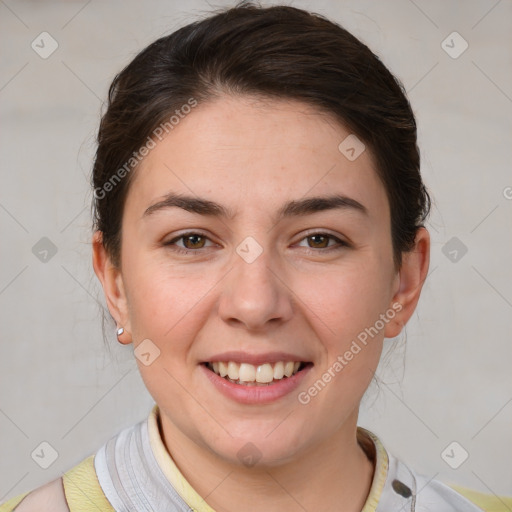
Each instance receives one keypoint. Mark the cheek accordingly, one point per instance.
(345, 300)
(161, 303)
(169, 303)
(168, 309)
(344, 307)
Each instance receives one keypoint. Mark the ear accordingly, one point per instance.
(112, 282)
(410, 279)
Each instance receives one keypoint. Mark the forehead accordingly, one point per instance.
(246, 152)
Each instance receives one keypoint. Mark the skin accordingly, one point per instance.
(252, 156)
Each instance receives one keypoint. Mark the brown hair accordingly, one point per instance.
(276, 52)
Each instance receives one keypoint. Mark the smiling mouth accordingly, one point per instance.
(262, 375)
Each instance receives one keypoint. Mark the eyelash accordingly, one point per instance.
(309, 250)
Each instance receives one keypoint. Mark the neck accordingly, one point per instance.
(333, 472)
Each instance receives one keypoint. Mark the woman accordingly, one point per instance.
(258, 233)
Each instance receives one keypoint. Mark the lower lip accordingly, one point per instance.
(256, 394)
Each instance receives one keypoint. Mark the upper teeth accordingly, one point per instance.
(263, 373)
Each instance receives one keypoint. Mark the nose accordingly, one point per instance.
(256, 294)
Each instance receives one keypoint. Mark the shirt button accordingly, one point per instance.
(401, 488)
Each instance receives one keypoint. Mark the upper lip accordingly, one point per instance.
(255, 359)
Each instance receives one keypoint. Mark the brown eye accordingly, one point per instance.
(193, 241)
(188, 243)
(319, 241)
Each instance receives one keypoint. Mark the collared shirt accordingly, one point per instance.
(133, 471)
(394, 485)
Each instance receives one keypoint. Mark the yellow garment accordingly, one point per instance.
(82, 489)
(84, 494)
(8, 506)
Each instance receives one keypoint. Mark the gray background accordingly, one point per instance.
(450, 380)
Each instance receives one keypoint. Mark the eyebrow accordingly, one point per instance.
(293, 208)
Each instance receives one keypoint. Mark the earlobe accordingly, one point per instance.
(412, 275)
(112, 282)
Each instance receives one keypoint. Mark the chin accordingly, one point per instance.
(259, 447)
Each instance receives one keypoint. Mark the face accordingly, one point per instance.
(260, 280)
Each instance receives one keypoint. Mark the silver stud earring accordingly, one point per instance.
(120, 331)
